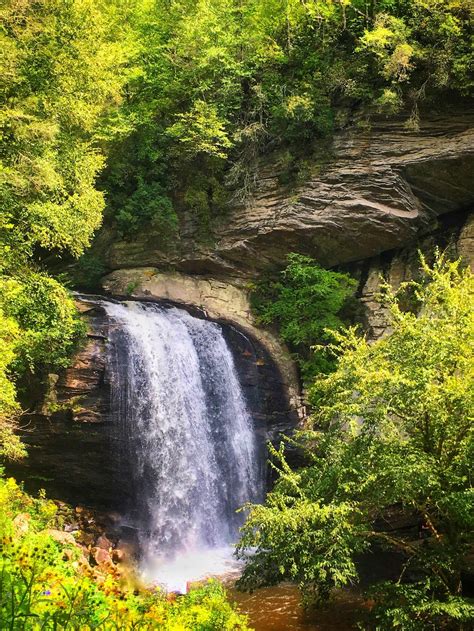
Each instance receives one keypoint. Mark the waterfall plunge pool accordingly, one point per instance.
(177, 573)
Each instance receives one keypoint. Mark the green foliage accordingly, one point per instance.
(39, 328)
(131, 286)
(148, 204)
(46, 319)
(391, 433)
(62, 71)
(200, 131)
(412, 607)
(62, 68)
(46, 582)
(305, 302)
(10, 446)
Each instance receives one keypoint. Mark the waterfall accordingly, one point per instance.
(190, 438)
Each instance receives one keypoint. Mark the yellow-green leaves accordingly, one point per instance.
(63, 68)
(388, 40)
(38, 328)
(391, 438)
(201, 131)
(304, 300)
(47, 581)
(10, 446)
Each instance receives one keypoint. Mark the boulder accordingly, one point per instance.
(104, 543)
(101, 556)
(21, 524)
(64, 538)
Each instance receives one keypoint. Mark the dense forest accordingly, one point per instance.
(128, 113)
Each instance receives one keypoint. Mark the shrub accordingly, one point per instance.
(46, 317)
(391, 433)
(46, 584)
(304, 301)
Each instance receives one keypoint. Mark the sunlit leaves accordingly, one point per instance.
(201, 131)
(38, 328)
(391, 430)
(46, 581)
(63, 68)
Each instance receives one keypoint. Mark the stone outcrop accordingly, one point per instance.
(226, 302)
(367, 204)
(401, 265)
(372, 191)
(82, 389)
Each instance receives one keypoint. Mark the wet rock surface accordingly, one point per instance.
(74, 446)
(82, 390)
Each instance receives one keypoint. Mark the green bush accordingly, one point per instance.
(305, 302)
(47, 320)
(391, 434)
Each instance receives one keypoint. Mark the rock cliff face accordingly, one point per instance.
(402, 264)
(77, 431)
(372, 191)
(83, 388)
(378, 196)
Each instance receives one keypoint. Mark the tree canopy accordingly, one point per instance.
(63, 68)
(391, 438)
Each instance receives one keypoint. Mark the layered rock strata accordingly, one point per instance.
(370, 191)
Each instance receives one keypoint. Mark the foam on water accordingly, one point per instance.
(176, 575)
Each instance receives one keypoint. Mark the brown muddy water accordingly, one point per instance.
(279, 609)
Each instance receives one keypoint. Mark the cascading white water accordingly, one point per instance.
(196, 457)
